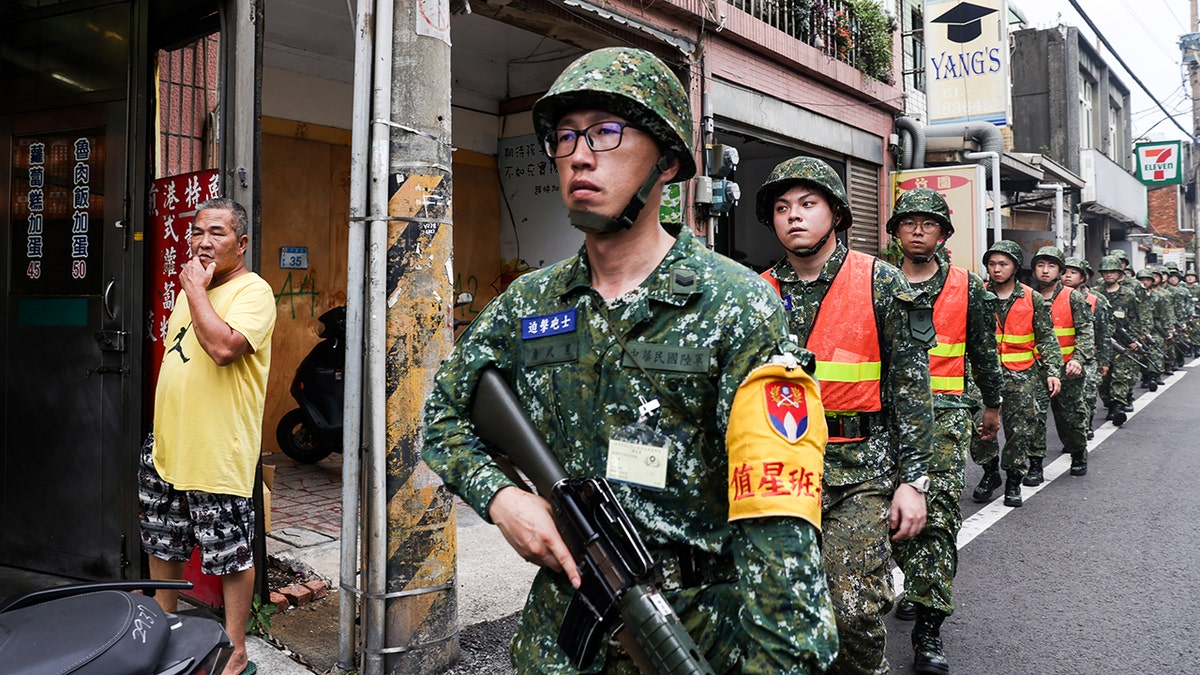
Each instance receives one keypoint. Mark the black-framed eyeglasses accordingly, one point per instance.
(909, 225)
(601, 137)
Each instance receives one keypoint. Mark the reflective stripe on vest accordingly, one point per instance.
(947, 361)
(1064, 324)
(845, 340)
(1015, 338)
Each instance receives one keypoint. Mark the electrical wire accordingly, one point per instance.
(1117, 55)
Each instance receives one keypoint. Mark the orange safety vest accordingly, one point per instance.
(1064, 323)
(1091, 299)
(1015, 338)
(845, 340)
(947, 361)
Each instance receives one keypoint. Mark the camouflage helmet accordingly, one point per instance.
(1119, 254)
(1050, 253)
(1172, 265)
(1110, 263)
(1079, 264)
(1009, 248)
(1145, 273)
(1191, 272)
(1175, 272)
(797, 170)
(922, 200)
(631, 83)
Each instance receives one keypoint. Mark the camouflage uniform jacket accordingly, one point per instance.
(700, 323)
(982, 355)
(1164, 311)
(1182, 302)
(1128, 318)
(1043, 328)
(1081, 316)
(906, 446)
(1102, 319)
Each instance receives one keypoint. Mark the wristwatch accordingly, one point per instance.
(921, 484)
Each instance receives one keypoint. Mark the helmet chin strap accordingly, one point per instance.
(595, 223)
(812, 250)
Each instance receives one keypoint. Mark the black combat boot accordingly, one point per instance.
(1033, 477)
(1117, 414)
(989, 482)
(1012, 489)
(927, 642)
(1079, 463)
(906, 610)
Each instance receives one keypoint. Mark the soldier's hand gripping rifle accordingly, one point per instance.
(618, 592)
(1126, 352)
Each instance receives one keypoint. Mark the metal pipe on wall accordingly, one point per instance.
(1058, 208)
(375, 511)
(355, 284)
(997, 230)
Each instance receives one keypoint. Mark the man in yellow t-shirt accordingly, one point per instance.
(197, 469)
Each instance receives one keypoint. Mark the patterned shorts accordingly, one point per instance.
(174, 522)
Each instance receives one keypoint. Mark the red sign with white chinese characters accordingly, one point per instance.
(173, 203)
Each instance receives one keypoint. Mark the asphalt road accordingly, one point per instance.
(1093, 575)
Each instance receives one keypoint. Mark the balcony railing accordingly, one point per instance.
(855, 32)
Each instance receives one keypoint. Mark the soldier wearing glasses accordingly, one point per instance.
(965, 320)
(580, 343)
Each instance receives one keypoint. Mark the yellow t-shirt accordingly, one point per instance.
(208, 418)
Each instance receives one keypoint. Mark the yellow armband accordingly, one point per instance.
(776, 446)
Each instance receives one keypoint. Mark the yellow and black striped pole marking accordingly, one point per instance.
(422, 605)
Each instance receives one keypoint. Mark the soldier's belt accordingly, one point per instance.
(856, 425)
(688, 567)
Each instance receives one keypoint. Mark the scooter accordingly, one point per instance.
(106, 629)
(314, 430)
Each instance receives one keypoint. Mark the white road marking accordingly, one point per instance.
(990, 514)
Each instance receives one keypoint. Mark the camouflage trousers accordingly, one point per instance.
(930, 559)
(857, 552)
(1024, 393)
(1070, 418)
(1091, 387)
(1117, 386)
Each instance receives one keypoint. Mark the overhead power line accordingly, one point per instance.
(1095, 29)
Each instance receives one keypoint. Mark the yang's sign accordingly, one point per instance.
(1159, 164)
(966, 61)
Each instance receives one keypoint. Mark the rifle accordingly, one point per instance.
(1125, 351)
(618, 592)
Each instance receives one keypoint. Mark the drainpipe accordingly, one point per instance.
(1058, 207)
(355, 283)
(375, 506)
(995, 172)
(913, 156)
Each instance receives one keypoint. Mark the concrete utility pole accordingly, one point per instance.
(1194, 80)
(421, 606)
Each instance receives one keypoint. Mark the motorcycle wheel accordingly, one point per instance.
(297, 439)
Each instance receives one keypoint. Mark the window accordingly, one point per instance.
(1087, 91)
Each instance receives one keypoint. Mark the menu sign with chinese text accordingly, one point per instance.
(173, 203)
(57, 214)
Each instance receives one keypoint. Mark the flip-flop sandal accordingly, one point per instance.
(250, 669)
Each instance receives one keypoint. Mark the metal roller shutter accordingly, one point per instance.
(864, 205)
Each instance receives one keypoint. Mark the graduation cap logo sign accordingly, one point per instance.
(963, 21)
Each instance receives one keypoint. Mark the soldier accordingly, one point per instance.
(1157, 310)
(1128, 322)
(1022, 324)
(636, 316)
(871, 334)
(964, 317)
(1182, 304)
(1077, 276)
(1073, 327)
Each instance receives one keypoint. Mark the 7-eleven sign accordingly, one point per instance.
(1159, 163)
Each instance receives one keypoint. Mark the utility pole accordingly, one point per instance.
(420, 604)
(1194, 80)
